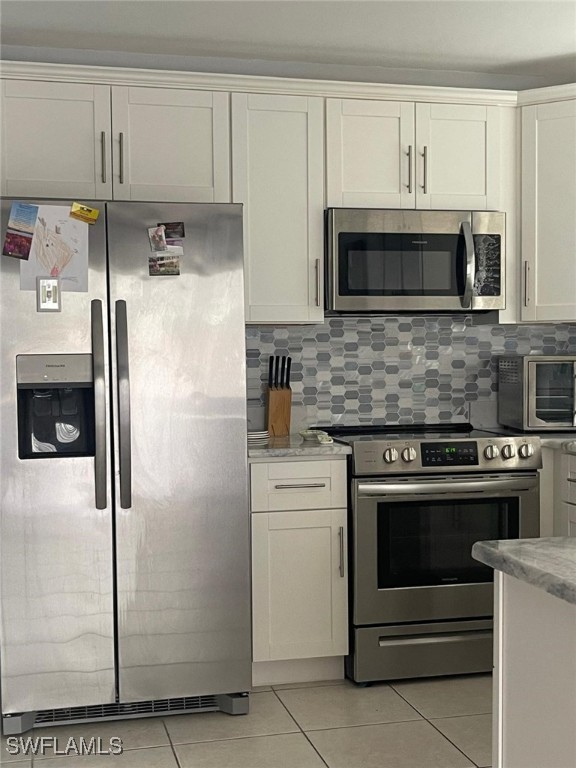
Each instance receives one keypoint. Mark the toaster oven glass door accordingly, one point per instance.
(551, 400)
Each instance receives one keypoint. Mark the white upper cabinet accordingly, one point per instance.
(370, 154)
(56, 140)
(549, 211)
(457, 157)
(114, 142)
(171, 145)
(278, 175)
(404, 155)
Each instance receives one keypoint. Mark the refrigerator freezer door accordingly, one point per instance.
(183, 526)
(57, 619)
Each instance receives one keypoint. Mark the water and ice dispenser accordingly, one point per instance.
(55, 406)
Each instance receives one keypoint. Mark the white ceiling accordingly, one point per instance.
(485, 43)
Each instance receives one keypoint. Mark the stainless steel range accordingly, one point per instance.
(419, 499)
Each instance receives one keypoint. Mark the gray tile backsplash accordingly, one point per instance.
(396, 370)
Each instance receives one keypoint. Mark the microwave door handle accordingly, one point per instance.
(470, 260)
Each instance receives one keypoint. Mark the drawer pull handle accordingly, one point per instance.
(571, 479)
(341, 537)
(299, 485)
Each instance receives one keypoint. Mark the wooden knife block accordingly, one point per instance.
(279, 410)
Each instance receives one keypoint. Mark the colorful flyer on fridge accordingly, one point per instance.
(20, 230)
(166, 262)
(59, 249)
(157, 238)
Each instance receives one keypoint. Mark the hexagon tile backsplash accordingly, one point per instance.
(393, 370)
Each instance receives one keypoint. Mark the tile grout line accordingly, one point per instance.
(301, 729)
(451, 742)
(172, 747)
(437, 729)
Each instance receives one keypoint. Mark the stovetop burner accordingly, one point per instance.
(352, 433)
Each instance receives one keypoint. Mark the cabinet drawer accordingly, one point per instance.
(287, 485)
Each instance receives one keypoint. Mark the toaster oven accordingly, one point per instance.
(537, 392)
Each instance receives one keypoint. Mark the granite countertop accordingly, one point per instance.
(295, 446)
(548, 563)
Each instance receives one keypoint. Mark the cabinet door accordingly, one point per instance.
(299, 584)
(549, 211)
(369, 154)
(458, 157)
(171, 145)
(55, 140)
(278, 174)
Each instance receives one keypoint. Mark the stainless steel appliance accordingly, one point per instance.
(124, 526)
(537, 392)
(390, 261)
(421, 606)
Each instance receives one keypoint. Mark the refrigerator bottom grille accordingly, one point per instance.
(133, 709)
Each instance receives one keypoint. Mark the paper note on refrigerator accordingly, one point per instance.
(59, 249)
(21, 224)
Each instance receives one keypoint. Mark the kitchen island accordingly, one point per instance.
(534, 651)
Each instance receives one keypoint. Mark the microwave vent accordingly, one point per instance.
(509, 371)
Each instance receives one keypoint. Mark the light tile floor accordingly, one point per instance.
(433, 723)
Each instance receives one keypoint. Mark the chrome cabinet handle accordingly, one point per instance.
(470, 260)
(425, 184)
(341, 537)
(409, 185)
(121, 158)
(103, 155)
(526, 277)
(299, 485)
(124, 436)
(100, 469)
(318, 287)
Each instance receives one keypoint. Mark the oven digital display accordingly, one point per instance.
(449, 454)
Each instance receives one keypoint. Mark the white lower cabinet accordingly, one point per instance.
(299, 563)
(565, 521)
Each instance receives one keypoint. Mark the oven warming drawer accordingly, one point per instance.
(421, 650)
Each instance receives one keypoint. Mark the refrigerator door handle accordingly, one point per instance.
(123, 405)
(100, 469)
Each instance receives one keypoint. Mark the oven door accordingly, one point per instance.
(413, 540)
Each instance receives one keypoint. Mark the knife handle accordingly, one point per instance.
(288, 365)
(276, 370)
(283, 372)
(270, 371)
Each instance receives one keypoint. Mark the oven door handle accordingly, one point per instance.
(453, 486)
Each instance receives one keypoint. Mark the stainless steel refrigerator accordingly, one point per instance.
(124, 526)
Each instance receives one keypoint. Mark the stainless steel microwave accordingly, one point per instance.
(382, 261)
(537, 392)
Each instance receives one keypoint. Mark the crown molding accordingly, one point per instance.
(248, 83)
(542, 95)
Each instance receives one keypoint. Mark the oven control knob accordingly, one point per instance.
(491, 452)
(508, 451)
(526, 450)
(408, 454)
(390, 455)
